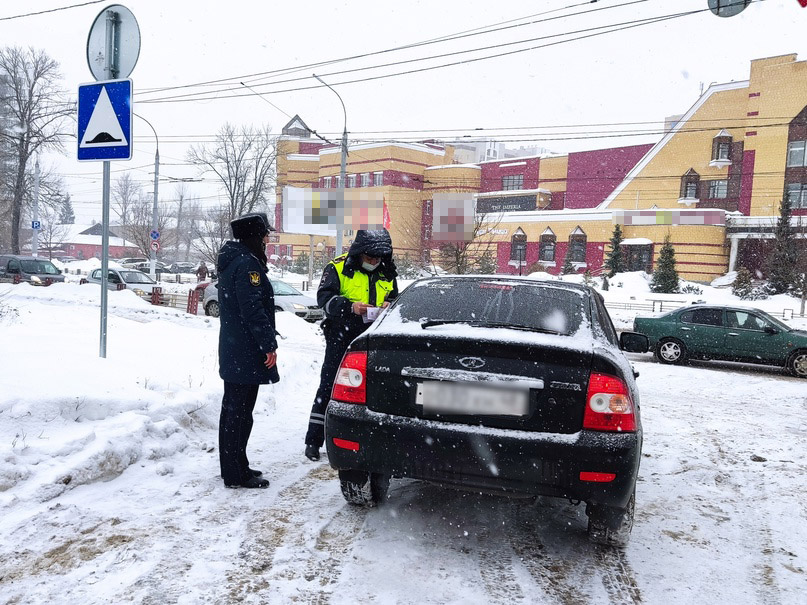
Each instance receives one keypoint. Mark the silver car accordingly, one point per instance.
(132, 278)
(287, 298)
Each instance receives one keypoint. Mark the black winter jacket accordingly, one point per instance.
(247, 316)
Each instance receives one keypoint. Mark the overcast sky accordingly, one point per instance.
(640, 74)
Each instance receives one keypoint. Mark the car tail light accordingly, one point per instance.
(351, 380)
(608, 405)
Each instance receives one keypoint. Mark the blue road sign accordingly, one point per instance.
(105, 121)
(36, 225)
(155, 235)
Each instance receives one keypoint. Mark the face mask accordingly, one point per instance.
(369, 267)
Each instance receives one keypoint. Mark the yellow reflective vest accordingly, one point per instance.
(357, 287)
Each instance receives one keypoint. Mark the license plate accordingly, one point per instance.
(457, 398)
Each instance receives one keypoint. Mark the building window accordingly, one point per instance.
(547, 251)
(351, 180)
(721, 146)
(365, 179)
(723, 151)
(795, 154)
(518, 246)
(326, 182)
(513, 181)
(378, 179)
(577, 246)
(337, 181)
(718, 190)
(689, 184)
(796, 195)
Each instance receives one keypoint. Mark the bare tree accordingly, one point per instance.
(140, 225)
(36, 107)
(53, 233)
(473, 255)
(243, 160)
(211, 232)
(126, 193)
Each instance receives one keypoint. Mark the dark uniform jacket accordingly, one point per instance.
(247, 316)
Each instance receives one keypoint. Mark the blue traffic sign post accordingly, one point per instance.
(105, 121)
(35, 225)
(105, 112)
(155, 235)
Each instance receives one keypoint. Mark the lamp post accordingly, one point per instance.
(154, 222)
(342, 175)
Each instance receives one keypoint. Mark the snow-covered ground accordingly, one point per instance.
(109, 486)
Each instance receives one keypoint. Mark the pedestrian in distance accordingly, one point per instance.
(362, 279)
(201, 272)
(247, 343)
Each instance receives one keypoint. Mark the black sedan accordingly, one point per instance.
(502, 385)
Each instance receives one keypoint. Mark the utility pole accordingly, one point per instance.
(35, 224)
(342, 172)
(154, 218)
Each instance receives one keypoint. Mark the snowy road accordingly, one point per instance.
(721, 516)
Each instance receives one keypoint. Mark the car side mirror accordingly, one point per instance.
(771, 330)
(633, 342)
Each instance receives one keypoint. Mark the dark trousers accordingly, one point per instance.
(235, 425)
(336, 343)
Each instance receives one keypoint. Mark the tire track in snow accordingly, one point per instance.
(496, 569)
(618, 577)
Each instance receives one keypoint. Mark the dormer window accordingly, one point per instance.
(518, 247)
(547, 247)
(689, 187)
(721, 149)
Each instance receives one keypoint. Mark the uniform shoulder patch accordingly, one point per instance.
(254, 278)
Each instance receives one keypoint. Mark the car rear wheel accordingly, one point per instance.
(670, 350)
(797, 364)
(362, 488)
(212, 308)
(611, 534)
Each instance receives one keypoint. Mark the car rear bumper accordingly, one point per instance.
(310, 314)
(483, 458)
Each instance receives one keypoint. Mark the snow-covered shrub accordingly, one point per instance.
(7, 312)
(691, 289)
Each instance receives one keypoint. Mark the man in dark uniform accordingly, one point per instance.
(247, 343)
(352, 282)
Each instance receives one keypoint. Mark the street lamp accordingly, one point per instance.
(154, 225)
(342, 175)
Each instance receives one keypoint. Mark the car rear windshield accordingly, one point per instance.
(283, 289)
(136, 277)
(497, 302)
(39, 266)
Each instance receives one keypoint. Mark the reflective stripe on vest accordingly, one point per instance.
(357, 288)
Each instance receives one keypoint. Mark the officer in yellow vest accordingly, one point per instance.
(352, 282)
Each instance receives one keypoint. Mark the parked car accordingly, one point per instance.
(287, 298)
(183, 267)
(505, 385)
(725, 332)
(132, 278)
(159, 267)
(32, 269)
(131, 261)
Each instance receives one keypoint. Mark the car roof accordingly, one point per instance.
(513, 278)
(24, 257)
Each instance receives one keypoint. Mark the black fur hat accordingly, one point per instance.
(250, 225)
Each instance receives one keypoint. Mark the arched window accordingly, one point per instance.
(518, 246)
(577, 246)
(689, 185)
(547, 250)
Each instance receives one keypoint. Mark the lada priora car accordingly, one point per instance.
(504, 385)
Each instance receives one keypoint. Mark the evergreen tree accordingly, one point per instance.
(782, 260)
(66, 214)
(568, 267)
(486, 264)
(605, 284)
(665, 277)
(742, 285)
(615, 261)
(300, 264)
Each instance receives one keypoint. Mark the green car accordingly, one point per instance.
(732, 333)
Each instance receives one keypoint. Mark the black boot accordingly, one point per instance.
(312, 452)
(254, 472)
(252, 482)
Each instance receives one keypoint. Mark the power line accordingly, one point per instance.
(52, 10)
(445, 38)
(617, 27)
